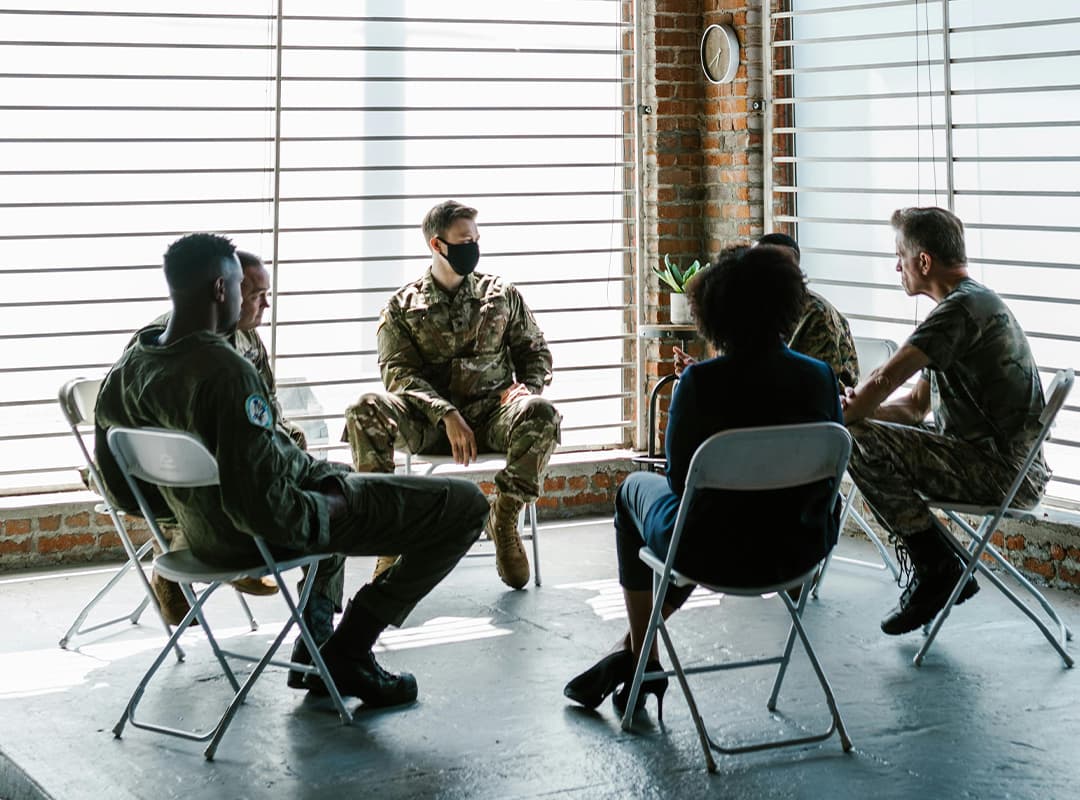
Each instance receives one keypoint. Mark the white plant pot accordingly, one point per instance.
(680, 309)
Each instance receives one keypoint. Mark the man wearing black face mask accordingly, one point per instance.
(464, 363)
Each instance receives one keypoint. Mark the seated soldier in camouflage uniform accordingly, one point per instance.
(979, 378)
(328, 593)
(463, 362)
(189, 378)
(822, 332)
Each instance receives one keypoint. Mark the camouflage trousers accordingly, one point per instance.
(894, 464)
(526, 430)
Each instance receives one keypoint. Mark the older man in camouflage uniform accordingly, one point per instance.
(464, 363)
(979, 378)
(822, 332)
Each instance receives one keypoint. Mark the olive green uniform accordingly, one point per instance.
(986, 397)
(250, 345)
(439, 352)
(269, 486)
(823, 333)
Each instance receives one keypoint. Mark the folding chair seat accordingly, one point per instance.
(748, 460)
(174, 459)
(77, 398)
(872, 354)
(991, 516)
(486, 461)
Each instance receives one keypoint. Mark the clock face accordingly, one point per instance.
(719, 53)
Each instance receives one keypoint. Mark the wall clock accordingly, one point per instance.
(720, 53)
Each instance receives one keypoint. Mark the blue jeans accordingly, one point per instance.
(645, 496)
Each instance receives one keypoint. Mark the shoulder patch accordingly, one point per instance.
(258, 412)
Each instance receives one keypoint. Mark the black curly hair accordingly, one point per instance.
(749, 300)
(196, 259)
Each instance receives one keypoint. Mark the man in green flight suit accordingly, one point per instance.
(189, 378)
(463, 361)
(328, 592)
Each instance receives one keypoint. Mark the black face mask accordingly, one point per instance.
(462, 257)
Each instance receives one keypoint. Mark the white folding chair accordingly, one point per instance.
(747, 460)
(175, 459)
(77, 398)
(872, 354)
(486, 461)
(979, 542)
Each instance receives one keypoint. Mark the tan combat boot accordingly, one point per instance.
(260, 587)
(382, 564)
(510, 558)
(174, 606)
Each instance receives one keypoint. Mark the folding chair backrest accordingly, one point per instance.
(77, 399)
(773, 457)
(163, 457)
(1056, 396)
(873, 353)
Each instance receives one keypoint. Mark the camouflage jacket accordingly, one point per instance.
(823, 333)
(269, 486)
(443, 352)
(984, 384)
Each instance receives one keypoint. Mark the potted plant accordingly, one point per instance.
(676, 279)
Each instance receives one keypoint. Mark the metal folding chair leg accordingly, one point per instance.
(76, 628)
(535, 543)
(883, 551)
(214, 735)
(980, 543)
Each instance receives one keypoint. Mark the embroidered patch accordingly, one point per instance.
(258, 412)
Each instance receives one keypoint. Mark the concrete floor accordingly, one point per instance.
(991, 714)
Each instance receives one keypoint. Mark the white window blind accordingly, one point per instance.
(123, 127)
(973, 105)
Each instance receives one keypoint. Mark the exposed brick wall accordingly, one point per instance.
(1047, 553)
(703, 181)
(69, 531)
(62, 531)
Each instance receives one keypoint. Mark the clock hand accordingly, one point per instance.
(715, 59)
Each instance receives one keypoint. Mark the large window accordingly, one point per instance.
(972, 104)
(127, 125)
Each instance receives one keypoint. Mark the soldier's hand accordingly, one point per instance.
(513, 392)
(461, 436)
(682, 360)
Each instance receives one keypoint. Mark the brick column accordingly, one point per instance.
(702, 185)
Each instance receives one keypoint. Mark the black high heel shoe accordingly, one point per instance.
(598, 681)
(656, 686)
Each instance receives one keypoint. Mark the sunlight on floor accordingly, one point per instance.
(35, 672)
(608, 602)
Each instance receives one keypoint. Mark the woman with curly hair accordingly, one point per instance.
(745, 307)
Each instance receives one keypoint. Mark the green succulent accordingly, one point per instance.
(675, 277)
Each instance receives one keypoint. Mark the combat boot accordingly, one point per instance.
(352, 665)
(319, 617)
(510, 559)
(934, 569)
(170, 599)
(260, 587)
